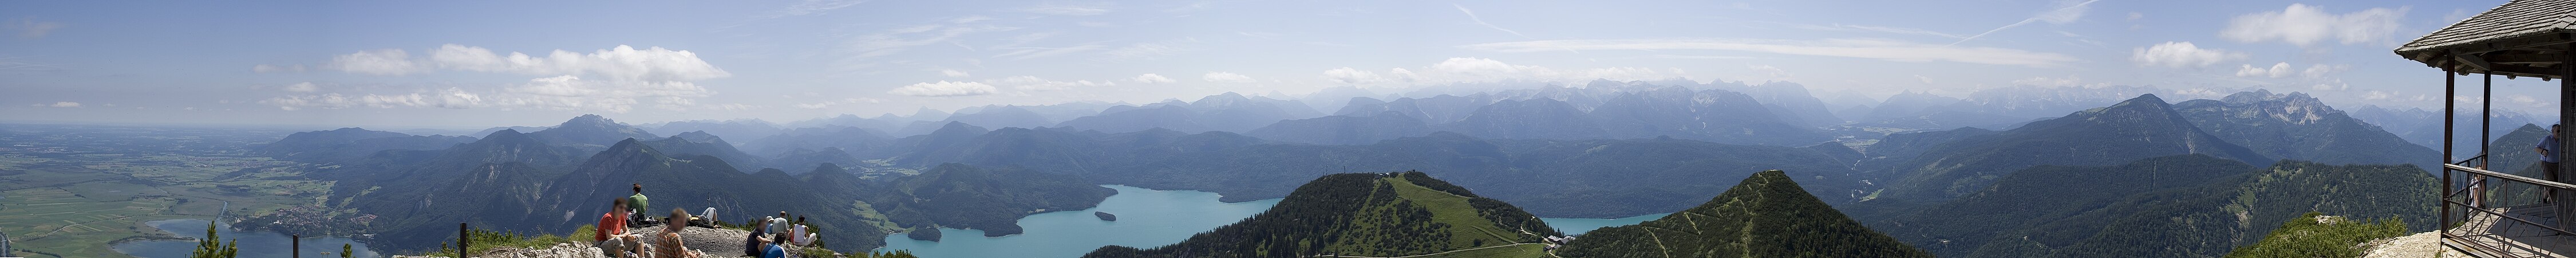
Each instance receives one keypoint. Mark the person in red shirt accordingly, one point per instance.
(612, 236)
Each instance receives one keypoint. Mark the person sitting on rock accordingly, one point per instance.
(671, 245)
(804, 235)
(751, 243)
(612, 237)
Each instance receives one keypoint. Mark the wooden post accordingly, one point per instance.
(295, 245)
(460, 240)
(2449, 90)
(2566, 86)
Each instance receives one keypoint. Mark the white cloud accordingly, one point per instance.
(611, 80)
(1926, 80)
(944, 89)
(2284, 70)
(276, 68)
(376, 62)
(1033, 83)
(2306, 25)
(30, 28)
(449, 98)
(301, 87)
(620, 63)
(1347, 75)
(62, 104)
(1150, 78)
(1055, 9)
(2321, 70)
(1225, 77)
(553, 93)
(2277, 71)
(951, 73)
(2181, 54)
(1857, 48)
(1773, 73)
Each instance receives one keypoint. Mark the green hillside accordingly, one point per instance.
(2045, 194)
(2210, 220)
(1767, 215)
(1374, 215)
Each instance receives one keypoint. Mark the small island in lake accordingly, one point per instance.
(924, 234)
(1105, 216)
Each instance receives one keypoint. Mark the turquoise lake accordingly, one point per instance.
(1146, 218)
(252, 243)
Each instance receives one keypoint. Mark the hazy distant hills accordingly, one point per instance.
(709, 145)
(589, 131)
(1767, 215)
(352, 143)
(1643, 111)
(1365, 214)
(739, 129)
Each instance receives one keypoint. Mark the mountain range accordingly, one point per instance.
(1610, 149)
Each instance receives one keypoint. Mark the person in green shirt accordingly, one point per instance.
(637, 202)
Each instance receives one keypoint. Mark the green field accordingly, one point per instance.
(76, 205)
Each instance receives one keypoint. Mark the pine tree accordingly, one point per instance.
(344, 251)
(209, 249)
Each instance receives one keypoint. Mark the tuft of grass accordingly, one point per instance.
(2335, 237)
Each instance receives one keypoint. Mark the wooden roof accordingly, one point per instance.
(2519, 38)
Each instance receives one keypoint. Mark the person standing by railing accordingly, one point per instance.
(2549, 163)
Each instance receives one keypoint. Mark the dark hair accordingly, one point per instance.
(639, 187)
(620, 202)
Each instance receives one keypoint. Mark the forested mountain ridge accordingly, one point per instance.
(2139, 128)
(1365, 214)
(1767, 215)
(2209, 219)
(2296, 126)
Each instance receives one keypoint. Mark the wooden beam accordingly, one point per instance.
(2522, 58)
(2473, 61)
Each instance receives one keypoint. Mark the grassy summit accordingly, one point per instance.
(1365, 214)
(1767, 215)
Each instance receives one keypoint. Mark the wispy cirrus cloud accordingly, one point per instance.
(30, 28)
(1471, 16)
(809, 7)
(2066, 12)
(1856, 48)
(1072, 10)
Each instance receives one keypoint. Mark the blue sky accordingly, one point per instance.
(473, 64)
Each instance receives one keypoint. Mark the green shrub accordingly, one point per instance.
(2306, 237)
